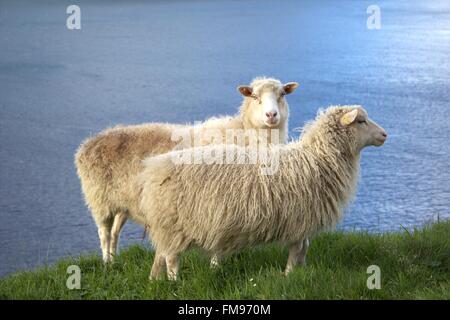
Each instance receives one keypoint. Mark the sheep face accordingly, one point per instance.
(365, 131)
(266, 106)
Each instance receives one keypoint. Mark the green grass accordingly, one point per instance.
(414, 265)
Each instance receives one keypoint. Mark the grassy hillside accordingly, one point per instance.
(413, 266)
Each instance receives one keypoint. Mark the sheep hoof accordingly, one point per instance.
(152, 278)
(172, 276)
(107, 258)
(285, 273)
(155, 276)
(215, 262)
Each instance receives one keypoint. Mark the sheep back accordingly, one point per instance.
(225, 207)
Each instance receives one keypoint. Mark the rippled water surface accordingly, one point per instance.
(180, 61)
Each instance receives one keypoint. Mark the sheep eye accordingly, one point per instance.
(256, 98)
(362, 121)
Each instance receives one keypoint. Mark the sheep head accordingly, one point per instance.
(265, 105)
(365, 130)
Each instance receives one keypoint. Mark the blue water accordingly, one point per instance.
(180, 61)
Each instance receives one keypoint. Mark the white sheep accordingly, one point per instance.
(108, 163)
(225, 207)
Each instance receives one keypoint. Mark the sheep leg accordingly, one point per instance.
(104, 233)
(297, 255)
(119, 221)
(173, 265)
(215, 261)
(303, 252)
(159, 266)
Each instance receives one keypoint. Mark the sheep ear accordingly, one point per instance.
(349, 117)
(290, 87)
(246, 91)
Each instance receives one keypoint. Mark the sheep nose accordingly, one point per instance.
(271, 115)
(384, 134)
